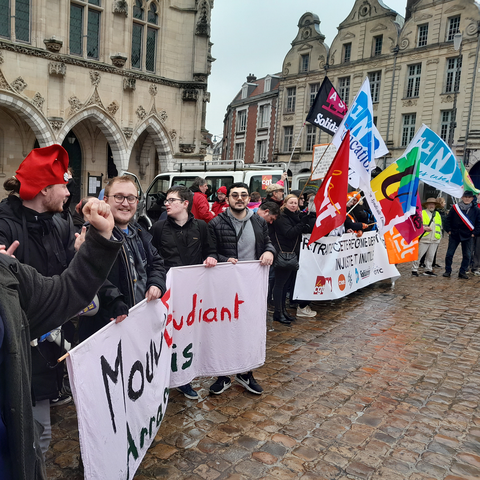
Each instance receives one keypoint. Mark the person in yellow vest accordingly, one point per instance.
(430, 239)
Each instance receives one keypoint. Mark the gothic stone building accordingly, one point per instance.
(122, 85)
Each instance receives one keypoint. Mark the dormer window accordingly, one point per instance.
(304, 63)
(377, 45)
(347, 52)
(267, 85)
(244, 91)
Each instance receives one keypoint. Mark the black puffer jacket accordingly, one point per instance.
(288, 228)
(189, 244)
(225, 238)
(46, 245)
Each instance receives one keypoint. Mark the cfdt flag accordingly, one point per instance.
(328, 109)
(331, 198)
(365, 140)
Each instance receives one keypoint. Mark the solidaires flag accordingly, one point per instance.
(328, 109)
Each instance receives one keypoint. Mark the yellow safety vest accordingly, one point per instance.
(437, 220)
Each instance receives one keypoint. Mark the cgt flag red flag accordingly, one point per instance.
(331, 198)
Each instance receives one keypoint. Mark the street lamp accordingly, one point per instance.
(466, 155)
(457, 45)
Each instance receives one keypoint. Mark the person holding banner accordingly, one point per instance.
(240, 235)
(183, 240)
(138, 272)
(30, 306)
(462, 224)
(287, 236)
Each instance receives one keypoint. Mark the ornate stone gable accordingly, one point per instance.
(367, 10)
(308, 30)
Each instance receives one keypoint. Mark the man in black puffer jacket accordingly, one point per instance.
(240, 235)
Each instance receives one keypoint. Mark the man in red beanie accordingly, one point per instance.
(37, 193)
(220, 205)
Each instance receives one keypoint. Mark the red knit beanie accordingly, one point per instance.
(222, 190)
(42, 167)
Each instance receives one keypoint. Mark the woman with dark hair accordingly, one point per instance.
(288, 229)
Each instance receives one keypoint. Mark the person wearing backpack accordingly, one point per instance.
(183, 240)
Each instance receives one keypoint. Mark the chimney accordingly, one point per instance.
(251, 78)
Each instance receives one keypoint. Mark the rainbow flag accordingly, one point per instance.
(467, 180)
(396, 188)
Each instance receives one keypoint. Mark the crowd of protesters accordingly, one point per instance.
(122, 263)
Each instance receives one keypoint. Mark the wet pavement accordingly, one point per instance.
(380, 385)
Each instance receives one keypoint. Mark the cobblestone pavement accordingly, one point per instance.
(381, 385)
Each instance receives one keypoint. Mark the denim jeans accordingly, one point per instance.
(466, 253)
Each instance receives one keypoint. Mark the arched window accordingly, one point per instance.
(144, 35)
(18, 22)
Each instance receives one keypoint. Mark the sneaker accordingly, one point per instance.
(429, 273)
(188, 391)
(436, 265)
(446, 274)
(309, 310)
(246, 380)
(303, 312)
(463, 275)
(414, 273)
(220, 385)
(62, 399)
(477, 273)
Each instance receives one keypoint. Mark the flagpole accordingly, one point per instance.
(295, 146)
(311, 173)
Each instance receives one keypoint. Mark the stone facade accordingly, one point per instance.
(103, 94)
(412, 66)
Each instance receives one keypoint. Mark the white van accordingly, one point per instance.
(217, 174)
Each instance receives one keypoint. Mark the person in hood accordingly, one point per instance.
(201, 208)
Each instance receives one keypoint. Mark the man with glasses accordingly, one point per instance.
(138, 272)
(240, 235)
(183, 240)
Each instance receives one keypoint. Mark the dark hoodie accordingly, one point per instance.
(48, 246)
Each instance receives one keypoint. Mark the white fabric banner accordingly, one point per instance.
(334, 267)
(119, 379)
(218, 321)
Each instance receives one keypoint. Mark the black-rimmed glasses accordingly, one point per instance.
(121, 198)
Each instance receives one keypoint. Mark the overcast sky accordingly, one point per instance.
(253, 36)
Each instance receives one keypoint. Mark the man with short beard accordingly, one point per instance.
(240, 235)
(37, 193)
(138, 272)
